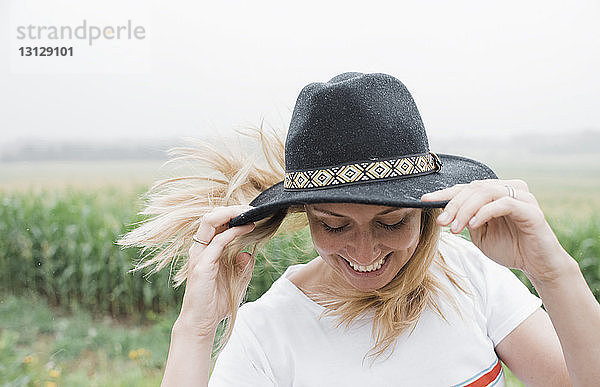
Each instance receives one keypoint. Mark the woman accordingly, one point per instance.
(389, 300)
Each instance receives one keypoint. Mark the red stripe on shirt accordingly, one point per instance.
(488, 377)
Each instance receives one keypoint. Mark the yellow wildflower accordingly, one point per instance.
(27, 359)
(50, 384)
(132, 354)
(54, 373)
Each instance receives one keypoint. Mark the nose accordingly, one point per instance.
(363, 248)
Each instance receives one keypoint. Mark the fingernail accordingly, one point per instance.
(473, 221)
(454, 226)
(443, 217)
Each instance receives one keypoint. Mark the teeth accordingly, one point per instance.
(375, 266)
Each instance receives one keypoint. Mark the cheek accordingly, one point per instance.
(323, 242)
(407, 238)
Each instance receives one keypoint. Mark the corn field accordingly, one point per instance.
(59, 244)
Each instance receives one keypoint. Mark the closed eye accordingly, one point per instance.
(332, 229)
(389, 227)
(394, 226)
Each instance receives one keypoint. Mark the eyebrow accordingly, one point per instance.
(344, 216)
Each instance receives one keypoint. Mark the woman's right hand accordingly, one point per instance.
(205, 300)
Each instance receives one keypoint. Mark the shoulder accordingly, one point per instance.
(504, 301)
(485, 277)
(272, 301)
(282, 302)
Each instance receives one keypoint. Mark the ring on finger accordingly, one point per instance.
(205, 229)
(195, 239)
(511, 191)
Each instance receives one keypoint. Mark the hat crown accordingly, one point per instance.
(359, 138)
(353, 117)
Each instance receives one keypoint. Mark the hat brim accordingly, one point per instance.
(402, 192)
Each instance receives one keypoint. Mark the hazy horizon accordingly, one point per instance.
(475, 68)
(555, 145)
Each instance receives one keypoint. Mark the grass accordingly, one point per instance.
(40, 344)
(44, 346)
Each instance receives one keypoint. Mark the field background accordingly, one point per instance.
(86, 330)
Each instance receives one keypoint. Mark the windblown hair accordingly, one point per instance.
(175, 207)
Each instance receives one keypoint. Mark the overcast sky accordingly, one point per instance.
(474, 67)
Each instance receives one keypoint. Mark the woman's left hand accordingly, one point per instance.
(506, 223)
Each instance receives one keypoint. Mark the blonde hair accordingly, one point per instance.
(175, 207)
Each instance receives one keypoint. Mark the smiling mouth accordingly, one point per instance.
(367, 269)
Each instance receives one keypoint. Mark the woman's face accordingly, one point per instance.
(367, 245)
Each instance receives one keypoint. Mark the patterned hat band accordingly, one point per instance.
(363, 171)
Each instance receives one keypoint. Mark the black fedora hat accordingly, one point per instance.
(359, 138)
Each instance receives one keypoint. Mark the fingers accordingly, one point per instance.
(216, 221)
(502, 207)
(449, 193)
(466, 200)
(466, 203)
(442, 194)
(215, 248)
(214, 233)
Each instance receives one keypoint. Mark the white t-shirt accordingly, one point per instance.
(280, 339)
